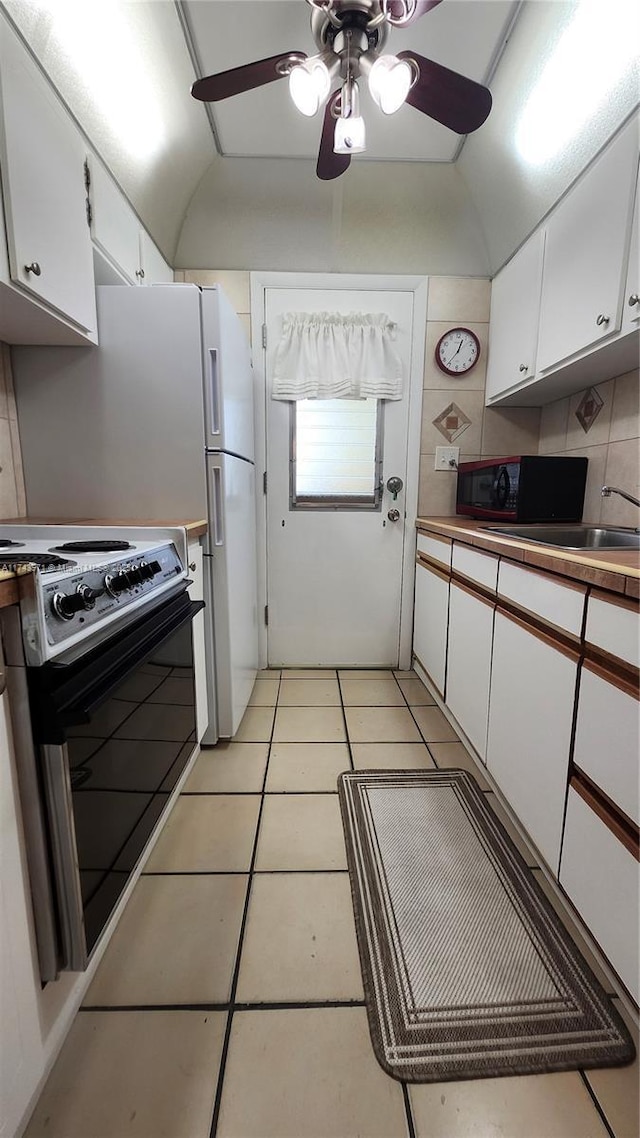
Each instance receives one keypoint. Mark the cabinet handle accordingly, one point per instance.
(634, 299)
(192, 566)
(601, 319)
(140, 274)
(34, 268)
(524, 367)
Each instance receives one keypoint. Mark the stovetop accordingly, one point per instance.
(89, 581)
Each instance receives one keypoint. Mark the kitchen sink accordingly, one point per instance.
(574, 537)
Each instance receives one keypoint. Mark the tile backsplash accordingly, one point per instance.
(603, 424)
(12, 495)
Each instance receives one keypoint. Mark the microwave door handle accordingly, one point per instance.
(503, 487)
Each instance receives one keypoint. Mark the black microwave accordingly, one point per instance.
(523, 488)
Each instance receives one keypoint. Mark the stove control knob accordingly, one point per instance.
(66, 605)
(116, 583)
(146, 572)
(88, 596)
(134, 573)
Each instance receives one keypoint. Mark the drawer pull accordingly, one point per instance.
(34, 268)
(634, 299)
(602, 319)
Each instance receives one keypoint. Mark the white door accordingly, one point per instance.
(334, 573)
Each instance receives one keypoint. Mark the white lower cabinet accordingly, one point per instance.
(196, 592)
(600, 875)
(607, 737)
(431, 616)
(21, 1050)
(469, 662)
(533, 685)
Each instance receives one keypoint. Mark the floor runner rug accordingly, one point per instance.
(468, 971)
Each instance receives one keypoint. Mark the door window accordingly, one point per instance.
(335, 458)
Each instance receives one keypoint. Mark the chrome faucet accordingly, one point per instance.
(607, 491)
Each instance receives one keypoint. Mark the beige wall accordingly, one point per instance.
(611, 415)
(12, 496)
(482, 431)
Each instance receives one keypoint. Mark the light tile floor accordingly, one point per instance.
(229, 1003)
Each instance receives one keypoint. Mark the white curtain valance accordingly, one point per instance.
(328, 355)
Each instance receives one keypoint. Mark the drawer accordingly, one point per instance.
(614, 627)
(607, 738)
(600, 875)
(437, 548)
(479, 567)
(541, 595)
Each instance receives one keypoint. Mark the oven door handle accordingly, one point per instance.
(63, 696)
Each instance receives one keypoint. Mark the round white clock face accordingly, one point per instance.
(457, 351)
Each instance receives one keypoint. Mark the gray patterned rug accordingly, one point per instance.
(468, 972)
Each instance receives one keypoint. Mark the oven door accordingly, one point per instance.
(114, 731)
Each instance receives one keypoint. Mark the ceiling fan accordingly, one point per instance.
(350, 36)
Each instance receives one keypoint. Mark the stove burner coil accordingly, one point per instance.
(42, 561)
(5, 543)
(92, 547)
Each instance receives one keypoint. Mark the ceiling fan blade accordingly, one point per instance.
(458, 103)
(397, 9)
(227, 83)
(330, 165)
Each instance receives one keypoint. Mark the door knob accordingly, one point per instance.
(394, 486)
(393, 515)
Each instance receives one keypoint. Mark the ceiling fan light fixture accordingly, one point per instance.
(390, 80)
(309, 85)
(350, 132)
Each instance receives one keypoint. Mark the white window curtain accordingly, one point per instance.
(328, 355)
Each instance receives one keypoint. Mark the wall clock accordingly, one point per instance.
(457, 351)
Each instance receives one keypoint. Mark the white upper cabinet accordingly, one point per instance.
(153, 266)
(128, 255)
(515, 310)
(114, 225)
(586, 255)
(49, 245)
(631, 300)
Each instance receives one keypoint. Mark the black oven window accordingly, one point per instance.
(124, 763)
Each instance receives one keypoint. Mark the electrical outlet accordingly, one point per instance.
(447, 458)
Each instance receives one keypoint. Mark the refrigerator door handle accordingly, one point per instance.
(217, 507)
(214, 393)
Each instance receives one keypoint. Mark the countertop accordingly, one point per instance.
(194, 527)
(615, 569)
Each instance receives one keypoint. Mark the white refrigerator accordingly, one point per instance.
(157, 423)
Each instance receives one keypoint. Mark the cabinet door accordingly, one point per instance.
(114, 225)
(533, 687)
(631, 299)
(196, 592)
(607, 737)
(601, 877)
(22, 1063)
(431, 615)
(44, 193)
(469, 662)
(515, 309)
(585, 255)
(155, 269)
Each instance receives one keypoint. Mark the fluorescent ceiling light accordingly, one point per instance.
(97, 42)
(595, 52)
(390, 83)
(309, 85)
